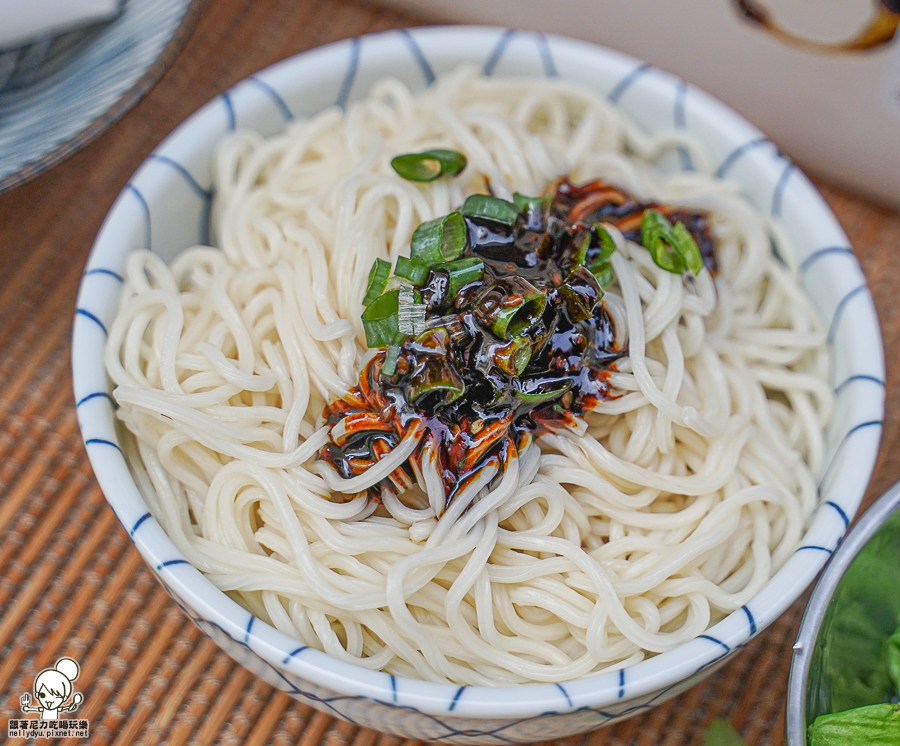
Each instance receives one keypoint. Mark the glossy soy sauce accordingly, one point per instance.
(477, 387)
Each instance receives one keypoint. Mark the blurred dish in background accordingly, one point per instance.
(820, 77)
(24, 20)
(81, 82)
(878, 30)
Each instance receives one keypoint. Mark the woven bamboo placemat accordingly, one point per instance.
(70, 581)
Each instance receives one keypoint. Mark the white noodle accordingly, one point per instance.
(588, 552)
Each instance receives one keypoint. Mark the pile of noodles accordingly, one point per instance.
(590, 552)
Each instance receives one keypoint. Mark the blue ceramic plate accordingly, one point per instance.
(45, 122)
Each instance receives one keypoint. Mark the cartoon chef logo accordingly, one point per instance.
(52, 689)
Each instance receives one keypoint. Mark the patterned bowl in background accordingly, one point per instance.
(165, 207)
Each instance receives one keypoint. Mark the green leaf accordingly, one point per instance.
(439, 240)
(381, 320)
(722, 733)
(411, 270)
(378, 277)
(429, 164)
(873, 725)
(893, 659)
(486, 207)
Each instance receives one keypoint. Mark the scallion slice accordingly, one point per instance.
(607, 245)
(462, 272)
(518, 315)
(411, 270)
(439, 240)
(378, 277)
(603, 273)
(389, 366)
(528, 203)
(429, 165)
(514, 356)
(581, 254)
(381, 320)
(656, 236)
(486, 207)
(683, 242)
(539, 390)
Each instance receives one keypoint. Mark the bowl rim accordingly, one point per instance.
(858, 536)
(666, 670)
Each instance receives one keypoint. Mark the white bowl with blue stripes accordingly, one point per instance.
(165, 207)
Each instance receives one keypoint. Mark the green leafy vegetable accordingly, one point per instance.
(872, 725)
(722, 733)
(378, 277)
(439, 240)
(429, 165)
(411, 270)
(893, 659)
(486, 207)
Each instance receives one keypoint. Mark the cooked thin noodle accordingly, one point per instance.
(589, 552)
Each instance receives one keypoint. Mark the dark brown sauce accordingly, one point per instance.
(467, 381)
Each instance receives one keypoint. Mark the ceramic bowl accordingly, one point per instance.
(165, 206)
(854, 608)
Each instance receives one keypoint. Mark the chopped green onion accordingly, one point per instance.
(656, 236)
(411, 270)
(539, 390)
(581, 293)
(514, 356)
(603, 273)
(439, 240)
(684, 243)
(381, 319)
(510, 306)
(528, 203)
(512, 322)
(673, 248)
(429, 165)
(575, 304)
(462, 272)
(607, 245)
(581, 254)
(378, 277)
(389, 366)
(485, 207)
(439, 378)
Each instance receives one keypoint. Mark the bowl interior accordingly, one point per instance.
(165, 207)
